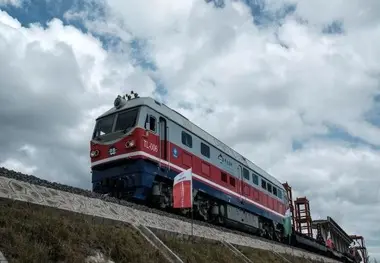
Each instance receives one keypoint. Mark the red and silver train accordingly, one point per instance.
(140, 145)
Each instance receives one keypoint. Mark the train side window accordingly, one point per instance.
(269, 187)
(255, 179)
(245, 173)
(263, 184)
(279, 194)
(150, 123)
(223, 176)
(205, 150)
(187, 139)
(232, 181)
(274, 190)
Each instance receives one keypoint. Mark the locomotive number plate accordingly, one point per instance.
(151, 146)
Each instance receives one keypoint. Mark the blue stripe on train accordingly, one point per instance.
(138, 176)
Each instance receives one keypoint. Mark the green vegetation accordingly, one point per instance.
(264, 256)
(33, 233)
(198, 250)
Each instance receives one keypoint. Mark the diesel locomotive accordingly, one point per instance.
(140, 145)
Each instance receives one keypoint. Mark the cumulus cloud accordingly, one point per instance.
(261, 89)
(54, 81)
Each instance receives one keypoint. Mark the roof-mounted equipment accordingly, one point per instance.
(119, 102)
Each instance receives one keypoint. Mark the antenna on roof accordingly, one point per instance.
(133, 95)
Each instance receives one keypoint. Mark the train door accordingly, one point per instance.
(151, 143)
(163, 130)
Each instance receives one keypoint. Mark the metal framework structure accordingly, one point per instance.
(340, 238)
(360, 245)
(288, 189)
(302, 216)
(302, 223)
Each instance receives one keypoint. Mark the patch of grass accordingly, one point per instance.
(265, 256)
(198, 250)
(33, 233)
(299, 259)
(260, 255)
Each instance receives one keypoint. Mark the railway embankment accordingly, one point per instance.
(42, 221)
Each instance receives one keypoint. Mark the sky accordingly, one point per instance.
(292, 85)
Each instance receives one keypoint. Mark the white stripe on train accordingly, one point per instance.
(139, 153)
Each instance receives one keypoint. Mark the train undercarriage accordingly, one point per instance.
(209, 209)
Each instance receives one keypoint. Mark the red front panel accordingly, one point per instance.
(142, 140)
(120, 146)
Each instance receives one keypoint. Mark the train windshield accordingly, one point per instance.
(125, 121)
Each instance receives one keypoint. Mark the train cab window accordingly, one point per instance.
(263, 184)
(274, 190)
(269, 188)
(232, 181)
(255, 179)
(245, 173)
(205, 150)
(150, 123)
(223, 176)
(187, 139)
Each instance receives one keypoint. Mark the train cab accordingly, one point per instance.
(116, 150)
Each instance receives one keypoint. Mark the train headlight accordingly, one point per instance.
(130, 144)
(94, 153)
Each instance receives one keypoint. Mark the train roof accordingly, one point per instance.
(186, 123)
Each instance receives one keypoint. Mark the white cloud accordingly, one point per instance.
(16, 165)
(53, 81)
(355, 14)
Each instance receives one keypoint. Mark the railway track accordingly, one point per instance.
(83, 192)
